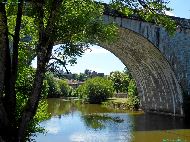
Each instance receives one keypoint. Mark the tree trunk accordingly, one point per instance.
(12, 68)
(9, 99)
(4, 48)
(33, 101)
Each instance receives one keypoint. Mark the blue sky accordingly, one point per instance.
(101, 60)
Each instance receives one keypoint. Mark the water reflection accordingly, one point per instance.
(99, 121)
(76, 122)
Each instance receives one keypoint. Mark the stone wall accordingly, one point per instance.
(158, 62)
(176, 48)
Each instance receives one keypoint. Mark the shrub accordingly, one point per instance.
(65, 89)
(54, 90)
(120, 81)
(132, 88)
(57, 87)
(95, 90)
(132, 99)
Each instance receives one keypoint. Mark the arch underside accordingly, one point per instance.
(157, 85)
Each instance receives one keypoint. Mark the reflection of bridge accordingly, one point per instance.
(159, 63)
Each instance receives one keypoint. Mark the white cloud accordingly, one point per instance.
(169, 13)
(86, 137)
(52, 126)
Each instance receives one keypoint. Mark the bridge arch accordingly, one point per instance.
(157, 85)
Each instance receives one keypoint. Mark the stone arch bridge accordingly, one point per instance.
(160, 63)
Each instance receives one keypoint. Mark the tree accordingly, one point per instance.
(54, 21)
(95, 90)
(148, 10)
(120, 81)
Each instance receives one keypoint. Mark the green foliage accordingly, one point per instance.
(95, 90)
(83, 21)
(132, 88)
(65, 89)
(120, 80)
(133, 103)
(81, 77)
(54, 90)
(25, 80)
(149, 10)
(132, 99)
(23, 90)
(78, 25)
(41, 115)
(24, 84)
(28, 39)
(57, 87)
(129, 103)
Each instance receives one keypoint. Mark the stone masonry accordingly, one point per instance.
(160, 63)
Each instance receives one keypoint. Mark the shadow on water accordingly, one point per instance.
(152, 122)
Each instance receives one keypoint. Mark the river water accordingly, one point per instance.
(72, 121)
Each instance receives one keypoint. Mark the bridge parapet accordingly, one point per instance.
(181, 22)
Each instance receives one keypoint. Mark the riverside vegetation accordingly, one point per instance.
(98, 90)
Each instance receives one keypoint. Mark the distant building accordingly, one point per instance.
(74, 84)
(101, 74)
(94, 73)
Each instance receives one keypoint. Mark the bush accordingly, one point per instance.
(65, 89)
(120, 81)
(132, 88)
(57, 87)
(54, 90)
(132, 99)
(95, 90)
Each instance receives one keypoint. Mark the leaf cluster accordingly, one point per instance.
(57, 87)
(153, 11)
(95, 90)
(120, 80)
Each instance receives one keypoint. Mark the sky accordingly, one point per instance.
(102, 61)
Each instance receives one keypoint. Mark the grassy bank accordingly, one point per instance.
(120, 103)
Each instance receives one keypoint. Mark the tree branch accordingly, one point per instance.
(61, 62)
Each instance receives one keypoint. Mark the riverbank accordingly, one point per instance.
(113, 103)
(120, 103)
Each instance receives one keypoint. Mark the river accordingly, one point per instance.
(72, 121)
